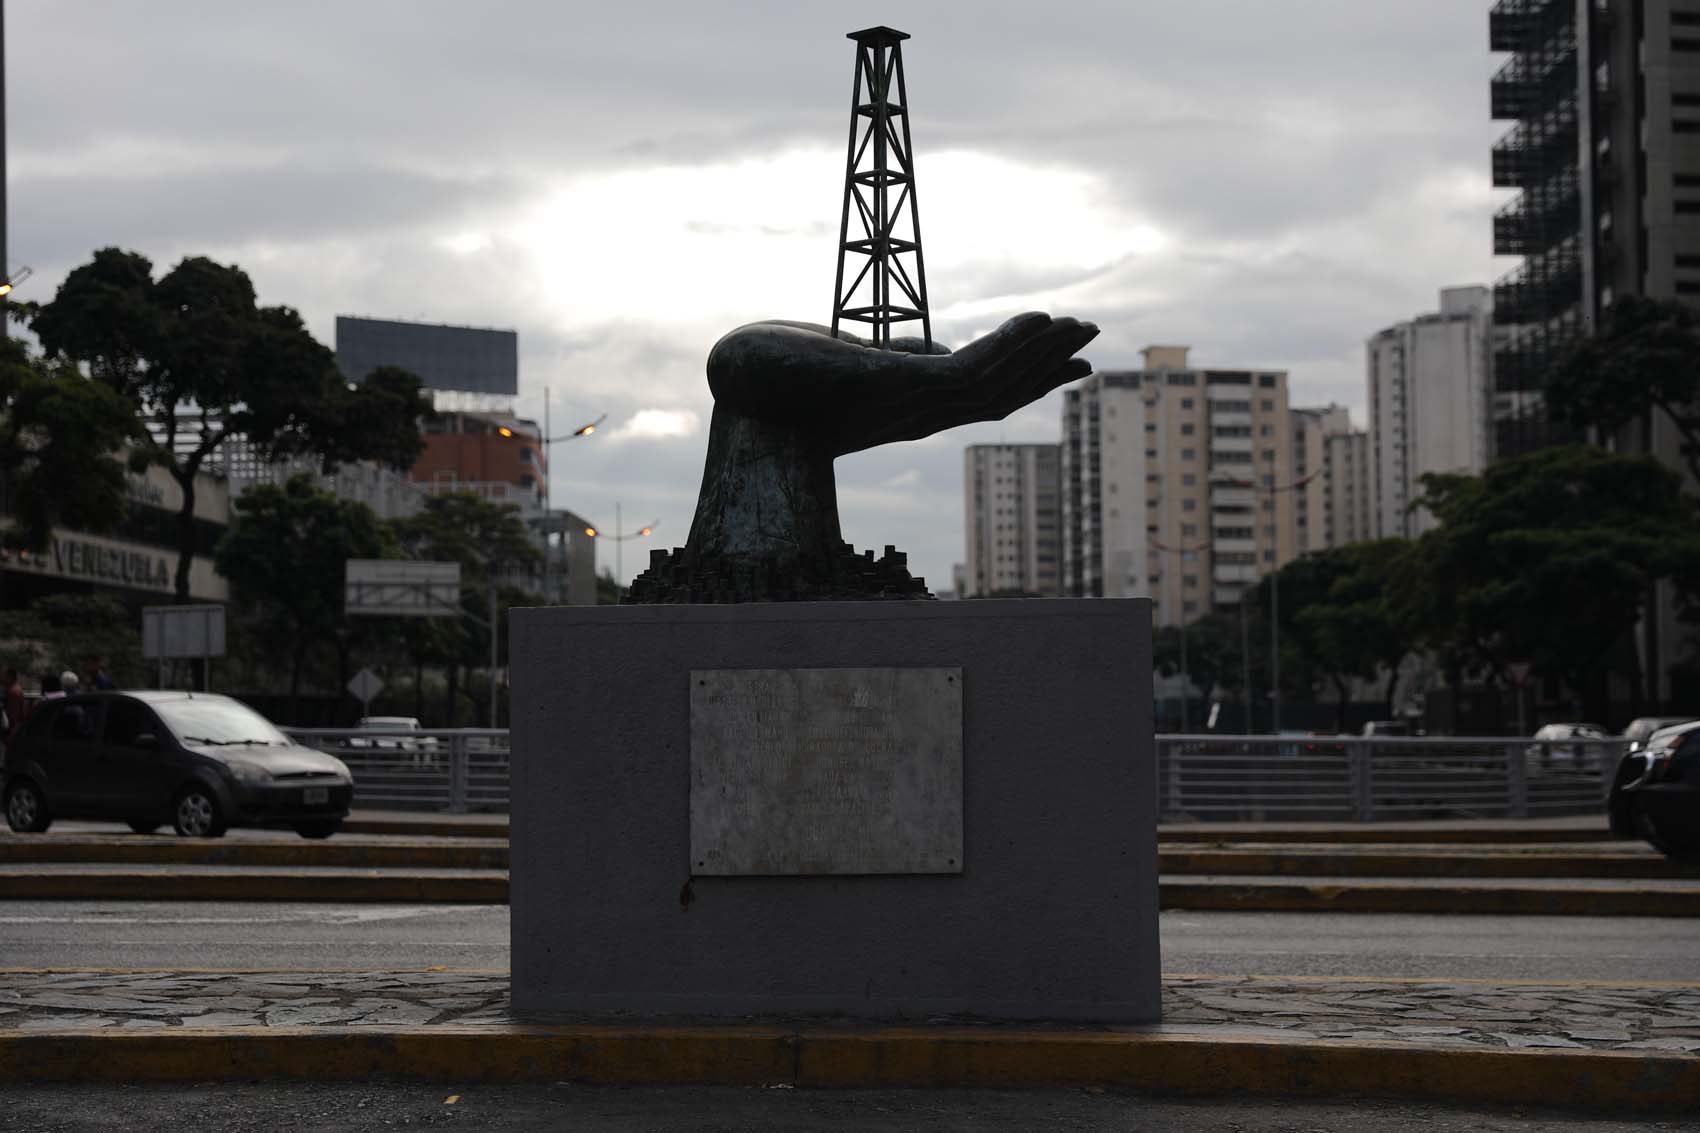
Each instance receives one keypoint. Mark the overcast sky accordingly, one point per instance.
(1269, 181)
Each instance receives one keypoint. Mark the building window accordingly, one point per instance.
(1188, 479)
(1190, 581)
(1189, 454)
(1268, 405)
(1266, 381)
(1269, 556)
(1186, 403)
(1189, 529)
(1187, 429)
(1189, 505)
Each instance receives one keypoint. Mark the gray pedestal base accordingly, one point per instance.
(1054, 915)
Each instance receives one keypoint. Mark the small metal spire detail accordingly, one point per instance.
(883, 290)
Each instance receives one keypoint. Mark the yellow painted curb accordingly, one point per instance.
(1148, 1061)
(307, 885)
(420, 853)
(1503, 900)
(1436, 864)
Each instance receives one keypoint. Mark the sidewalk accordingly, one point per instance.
(1634, 1047)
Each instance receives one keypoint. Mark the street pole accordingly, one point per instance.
(1186, 677)
(495, 635)
(1274, 649)
(619, 545)
(548, 470)
(1245, 659)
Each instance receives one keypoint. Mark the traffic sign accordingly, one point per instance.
(365, 685)
(1519, 671)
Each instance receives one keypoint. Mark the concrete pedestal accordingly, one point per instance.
(1053, 916)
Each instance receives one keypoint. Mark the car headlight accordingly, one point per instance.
(251, 774)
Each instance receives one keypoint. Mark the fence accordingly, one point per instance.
(1199, 778)
(1347, 779)
(458, 770)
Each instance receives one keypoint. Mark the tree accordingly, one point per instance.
(196, 353)
(61, 439)
(63, 631)
(284, 556)
(1547, 558)
(1644, 359)
(1213, 652)
(489, 541)
(1352, 631)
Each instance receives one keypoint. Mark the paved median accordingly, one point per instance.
(1620, 1047)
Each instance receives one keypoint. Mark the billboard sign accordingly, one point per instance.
(174, 632)
(402, 588)
(467, 359)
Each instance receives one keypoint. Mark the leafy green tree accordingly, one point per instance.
(489, 541)
(608, 588)
(64, 631)
(1645, 359)
(196, 353)
(1212, 651)
(1352, 630)
(1546, 557)
(61, 443)
(285, 556)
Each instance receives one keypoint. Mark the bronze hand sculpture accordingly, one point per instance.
(789, 399)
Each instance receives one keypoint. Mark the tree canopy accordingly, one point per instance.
(1644, 359)
(1547, 558)
(284, 556)
(194, 352)
(61, 442)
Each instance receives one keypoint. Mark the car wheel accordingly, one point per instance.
(318, 829)
(196, 814)
(26, 808)
(1661, 839)
(143, 827)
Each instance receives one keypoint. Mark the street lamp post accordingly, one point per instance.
(1186, 674)
(1274, 600)
(619, 538)
(548, 473)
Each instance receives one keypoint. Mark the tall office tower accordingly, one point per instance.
(1332, 508)
(1014, 540)
(1606, 153)
(1428, 404)
(1175, 484)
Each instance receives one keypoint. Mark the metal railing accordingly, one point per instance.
(1199, 778)
(453, 769)
(1351, 779)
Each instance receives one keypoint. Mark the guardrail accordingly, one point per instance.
(1199, 777)
(1353, 779)
(452, 769)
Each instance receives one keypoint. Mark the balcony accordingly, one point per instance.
(1539, 218)
(1234, 572)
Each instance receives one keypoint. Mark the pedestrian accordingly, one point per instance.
(95, 676)
(70, 683)
(12, 702)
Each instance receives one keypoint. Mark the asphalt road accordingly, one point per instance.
(271, 1106)
(64, 934)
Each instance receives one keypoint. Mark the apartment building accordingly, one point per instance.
(1013, 520)
(1605, 153)
(1429, 382)
(1332, 505)
(1176, 484)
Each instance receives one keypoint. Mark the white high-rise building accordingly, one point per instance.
(1013, 520)
(1429, 388)
(1173, 484)
(1333, 507)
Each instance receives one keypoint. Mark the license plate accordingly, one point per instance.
(313, 795)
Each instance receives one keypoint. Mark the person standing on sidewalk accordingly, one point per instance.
(12, 702)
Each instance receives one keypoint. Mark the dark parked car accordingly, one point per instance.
(1656, 791)
(199, 761)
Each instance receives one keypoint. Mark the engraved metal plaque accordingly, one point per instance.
(826, 771)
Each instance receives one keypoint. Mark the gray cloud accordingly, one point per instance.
(1288, 152)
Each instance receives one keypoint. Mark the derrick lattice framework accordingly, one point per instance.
(879, 188)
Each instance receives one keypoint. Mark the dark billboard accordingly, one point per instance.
(448, 358)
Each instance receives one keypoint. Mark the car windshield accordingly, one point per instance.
(219, 722)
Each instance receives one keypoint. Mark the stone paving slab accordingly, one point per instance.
(1646, 1018)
